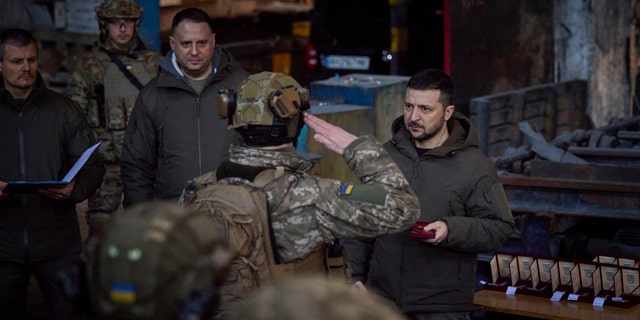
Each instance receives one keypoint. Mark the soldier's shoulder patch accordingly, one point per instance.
(367, 193)
(346, 189)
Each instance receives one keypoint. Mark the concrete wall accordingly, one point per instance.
(14, 14)
(550, 109)
(609, 79)
(499, 45)
(591, 44)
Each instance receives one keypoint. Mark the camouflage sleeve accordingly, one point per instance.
(82, 87)
(383, 203)
(316, 210)
(152, 63)
(78, 88)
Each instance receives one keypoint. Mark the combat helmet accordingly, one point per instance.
(117, 9)
(265, 108)
(158, 261)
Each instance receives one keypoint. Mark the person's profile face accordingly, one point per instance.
(193, 44)
(19, 67)
(121, 31)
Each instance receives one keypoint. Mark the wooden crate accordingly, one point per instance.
(549, 108)
(383, 93)
(353, 118)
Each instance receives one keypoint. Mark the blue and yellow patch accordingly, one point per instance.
(128, 66)
(346, 189)
(122, 293)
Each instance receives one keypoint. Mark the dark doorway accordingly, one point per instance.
(426, 35)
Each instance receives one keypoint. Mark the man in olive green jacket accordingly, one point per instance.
(461, 199)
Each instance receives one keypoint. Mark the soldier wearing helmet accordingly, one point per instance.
(157, 260)
(116, 12)
(268, 109)
(307, 212)
(105, 83)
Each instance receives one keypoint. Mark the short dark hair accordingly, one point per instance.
(434, 79)
(191, 14)
(16, 37)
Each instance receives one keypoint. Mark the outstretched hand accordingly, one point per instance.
(330, 136)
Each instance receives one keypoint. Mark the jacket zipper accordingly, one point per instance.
(401, 292)
(414, 175)
(23, 165)
(23, 176)
(199, 135)
(400, 298)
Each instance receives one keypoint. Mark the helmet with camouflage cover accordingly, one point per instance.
(265, 108)
(158, 261)
(117, 9)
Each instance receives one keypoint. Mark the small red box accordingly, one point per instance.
(418, 231)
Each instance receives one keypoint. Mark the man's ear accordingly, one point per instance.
(448, 111)
(171, 42)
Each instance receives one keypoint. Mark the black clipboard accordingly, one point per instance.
(32, 186)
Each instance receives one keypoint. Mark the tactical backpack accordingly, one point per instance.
(157, 261)
(239, 206)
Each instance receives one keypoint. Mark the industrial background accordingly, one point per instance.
(552, 86)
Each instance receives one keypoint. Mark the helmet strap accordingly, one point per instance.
(262, 136)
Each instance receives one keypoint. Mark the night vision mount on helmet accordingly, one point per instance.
(265, 108)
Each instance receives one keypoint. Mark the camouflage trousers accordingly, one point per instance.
(108, 198)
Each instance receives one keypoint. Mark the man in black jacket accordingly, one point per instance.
(462, 203)
(174, 133)
(42, 134)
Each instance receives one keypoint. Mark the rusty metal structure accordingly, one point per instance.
(615, 144)
(564, 178)
(580, 176)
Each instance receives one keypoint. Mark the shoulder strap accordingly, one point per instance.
(263, 179)
(267, 176)
(134, 81)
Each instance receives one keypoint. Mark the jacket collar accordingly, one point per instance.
(38, 90)
(462, 134)
(220, 63)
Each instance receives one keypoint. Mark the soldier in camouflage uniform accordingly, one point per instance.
(105, 83)
(306, 212)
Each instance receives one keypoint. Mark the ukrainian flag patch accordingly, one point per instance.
(122, 293)
(128, 66)
(346, 189)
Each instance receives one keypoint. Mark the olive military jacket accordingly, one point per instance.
(455, 183)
